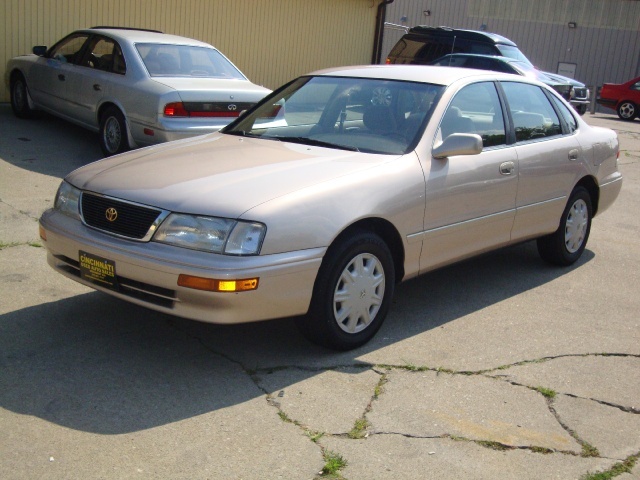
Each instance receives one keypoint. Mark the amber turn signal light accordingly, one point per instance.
(213, 285)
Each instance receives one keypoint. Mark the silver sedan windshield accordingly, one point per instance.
(366, 115)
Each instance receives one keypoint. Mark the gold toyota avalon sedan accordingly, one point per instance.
(340, 184)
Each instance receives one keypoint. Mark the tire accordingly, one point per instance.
(113, 132)
(352, 293)
(565, 245)
(627, 110)
(20, 97)
(581, 109)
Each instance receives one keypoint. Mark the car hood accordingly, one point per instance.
(217, 174)
(563, 79)
(193, 88)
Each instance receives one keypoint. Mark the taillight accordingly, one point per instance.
(196, 109)
(175, 109)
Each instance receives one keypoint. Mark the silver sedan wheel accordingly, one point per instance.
(20, 95)
(112, 134)
(575, 229)
(359, 293)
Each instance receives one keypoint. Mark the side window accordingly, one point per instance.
(476, 109)
(104, 54)
(566, 115)
(68, 49)
(451, 61)
(533, 116)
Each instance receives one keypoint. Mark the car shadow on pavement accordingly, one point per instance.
(45, 144)
(97, 364)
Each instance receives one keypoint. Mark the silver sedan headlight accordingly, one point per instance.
(67, 200)
(212, 234)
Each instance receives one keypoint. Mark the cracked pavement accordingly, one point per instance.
(500, 367)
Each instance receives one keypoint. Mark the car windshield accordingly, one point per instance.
(186, 61)
(513, 52)
(358, 114)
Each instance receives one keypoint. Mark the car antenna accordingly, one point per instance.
(453, 46)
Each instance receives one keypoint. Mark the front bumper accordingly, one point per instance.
(575, 101)
(147, 274)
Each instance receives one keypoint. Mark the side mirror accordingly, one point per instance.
(458, 144)
(40, 50)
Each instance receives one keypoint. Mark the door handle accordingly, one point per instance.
(62, 78)
(97, 87)
(573, 154)
(507, 168)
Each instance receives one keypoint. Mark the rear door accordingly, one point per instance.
(549, 156)
(100, 70)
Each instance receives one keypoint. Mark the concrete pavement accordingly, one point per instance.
(500, 367)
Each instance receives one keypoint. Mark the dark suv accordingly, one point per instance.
(421, 45)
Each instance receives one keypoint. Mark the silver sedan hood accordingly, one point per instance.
(217, 174)
(199, 89)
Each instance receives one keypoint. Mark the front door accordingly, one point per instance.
(470, 200)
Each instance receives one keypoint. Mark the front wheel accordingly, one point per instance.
(627, 110)
(581, 109)
(565, 245)
(352, 293)
(113, 132)
(20, 97)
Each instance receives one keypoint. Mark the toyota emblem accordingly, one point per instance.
(232, 107)
(111, 214)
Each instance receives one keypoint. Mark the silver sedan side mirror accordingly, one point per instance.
(458, 144)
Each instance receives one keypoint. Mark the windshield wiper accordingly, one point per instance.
(242, 133)
(315, 143)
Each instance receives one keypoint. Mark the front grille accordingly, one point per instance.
(131, 220)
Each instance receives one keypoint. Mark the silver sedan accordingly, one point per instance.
(334, 188)
(135, 87)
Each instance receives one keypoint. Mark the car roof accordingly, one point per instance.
(462, 33)
(131, 35)
(413, 73)
(479, 55)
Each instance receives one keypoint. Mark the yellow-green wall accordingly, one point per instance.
(271, 41)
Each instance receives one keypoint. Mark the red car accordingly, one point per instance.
(623, 98)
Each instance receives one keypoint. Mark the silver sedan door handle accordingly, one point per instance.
(62, 78)
(96, 87)
(507, 168)
(573, 154)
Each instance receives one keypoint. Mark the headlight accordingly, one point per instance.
(211, 234)
(67, 200)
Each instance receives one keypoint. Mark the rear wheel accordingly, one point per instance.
(565, 245)
(113, 132)
(627, 110)
(352, 293)
(20, 97)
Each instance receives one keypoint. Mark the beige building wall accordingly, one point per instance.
(271, 41)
